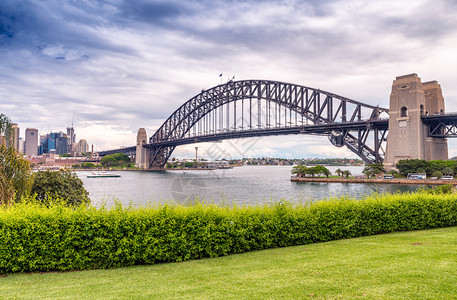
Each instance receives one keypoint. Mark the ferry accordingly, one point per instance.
(102, 174)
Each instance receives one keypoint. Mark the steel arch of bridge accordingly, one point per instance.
(345, 121)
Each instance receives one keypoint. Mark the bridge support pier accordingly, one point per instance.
(409, 100)
(142, 153)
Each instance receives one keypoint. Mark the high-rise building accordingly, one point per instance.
(50, 142)
(21, 146)
(16, 133)
(71, 139)
(62, 144)
(82, 147)
(31, 141)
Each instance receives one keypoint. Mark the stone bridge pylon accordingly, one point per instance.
(410, 100)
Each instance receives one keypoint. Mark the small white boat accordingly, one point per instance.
(102, 174)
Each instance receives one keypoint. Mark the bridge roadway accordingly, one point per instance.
(318, 129)
(441, 126)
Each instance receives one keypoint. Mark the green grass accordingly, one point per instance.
(408, 265)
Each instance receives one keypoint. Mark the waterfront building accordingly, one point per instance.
(81, 147)
(218, 164)
(31, 141)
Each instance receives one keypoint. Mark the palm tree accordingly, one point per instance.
(339, 171)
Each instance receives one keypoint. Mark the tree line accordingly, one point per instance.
(434, 168)
(302, 170)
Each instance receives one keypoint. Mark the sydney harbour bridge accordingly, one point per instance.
(252, 108)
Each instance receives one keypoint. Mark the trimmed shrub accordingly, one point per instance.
(38, 238)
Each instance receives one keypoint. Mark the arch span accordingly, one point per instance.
(262, 107)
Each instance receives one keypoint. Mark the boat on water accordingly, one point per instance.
(102, 174)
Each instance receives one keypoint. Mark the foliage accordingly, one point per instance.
(65, 155)
(6, 190)
(39, 238)
(316, 170)
(437, 174)
(448, 171)
(346, 173)
(339, 171)
(6, 129)
(63, 184)
(373, 169)
(406, 166)
(88, 165)
(438, 190)
(15, 171)
(117, 159)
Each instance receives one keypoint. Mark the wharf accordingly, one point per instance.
(375, 180)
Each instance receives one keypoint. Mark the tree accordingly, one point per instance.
(64, 184)
(339, 171)
(327, 172)
(6, 190)
(373, 169)
(15, 171)
(300, 170)
(321, 170)
(437, 174)
(448, 171)
(406, 166)
(87, 165)
(113, 160)
(347, 173)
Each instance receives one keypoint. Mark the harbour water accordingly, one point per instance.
(253, 185)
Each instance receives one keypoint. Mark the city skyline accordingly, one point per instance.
(114, 67)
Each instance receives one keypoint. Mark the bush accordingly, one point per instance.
(38, 238)
(63, 184)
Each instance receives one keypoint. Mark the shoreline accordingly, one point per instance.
(381, 181)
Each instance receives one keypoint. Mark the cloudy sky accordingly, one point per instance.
(114, 66)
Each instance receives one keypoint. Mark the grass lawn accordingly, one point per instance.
(409, 265)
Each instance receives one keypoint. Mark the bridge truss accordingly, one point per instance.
(441, 126)
(251, 108)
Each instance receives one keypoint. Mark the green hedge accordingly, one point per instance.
(36, 238)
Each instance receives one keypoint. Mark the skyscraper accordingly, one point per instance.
(62, 144)
(71, 139)
(31, 141)
(16, 132)
(82, 147)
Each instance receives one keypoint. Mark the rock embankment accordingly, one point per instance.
(375, 180)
